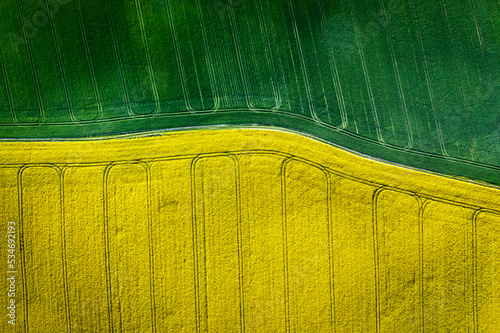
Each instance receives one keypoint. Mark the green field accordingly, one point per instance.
(412, 82)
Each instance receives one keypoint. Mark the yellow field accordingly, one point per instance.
(243, 230)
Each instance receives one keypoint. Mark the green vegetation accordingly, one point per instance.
(395, 79)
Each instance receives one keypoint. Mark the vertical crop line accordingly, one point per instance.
(240, 242)
(62, 73)
(151, 249)
(89, 59)
(334, 72)
(376, 258)
(303, 64)
(428, 80)
(148, 56)
(366, 75)
(106, 245)
(285, 243)
(194, 231)
(239, 58)
(41, 113)
(119, 61)
(64, 253)
(332, 253)
(7, 87)
(421, 212)
(21, 244)
(178, 57)
(475, 318)
(211, 70)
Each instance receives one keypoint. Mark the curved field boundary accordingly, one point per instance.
(342, 138)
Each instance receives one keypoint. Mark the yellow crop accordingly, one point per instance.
(243, 230)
